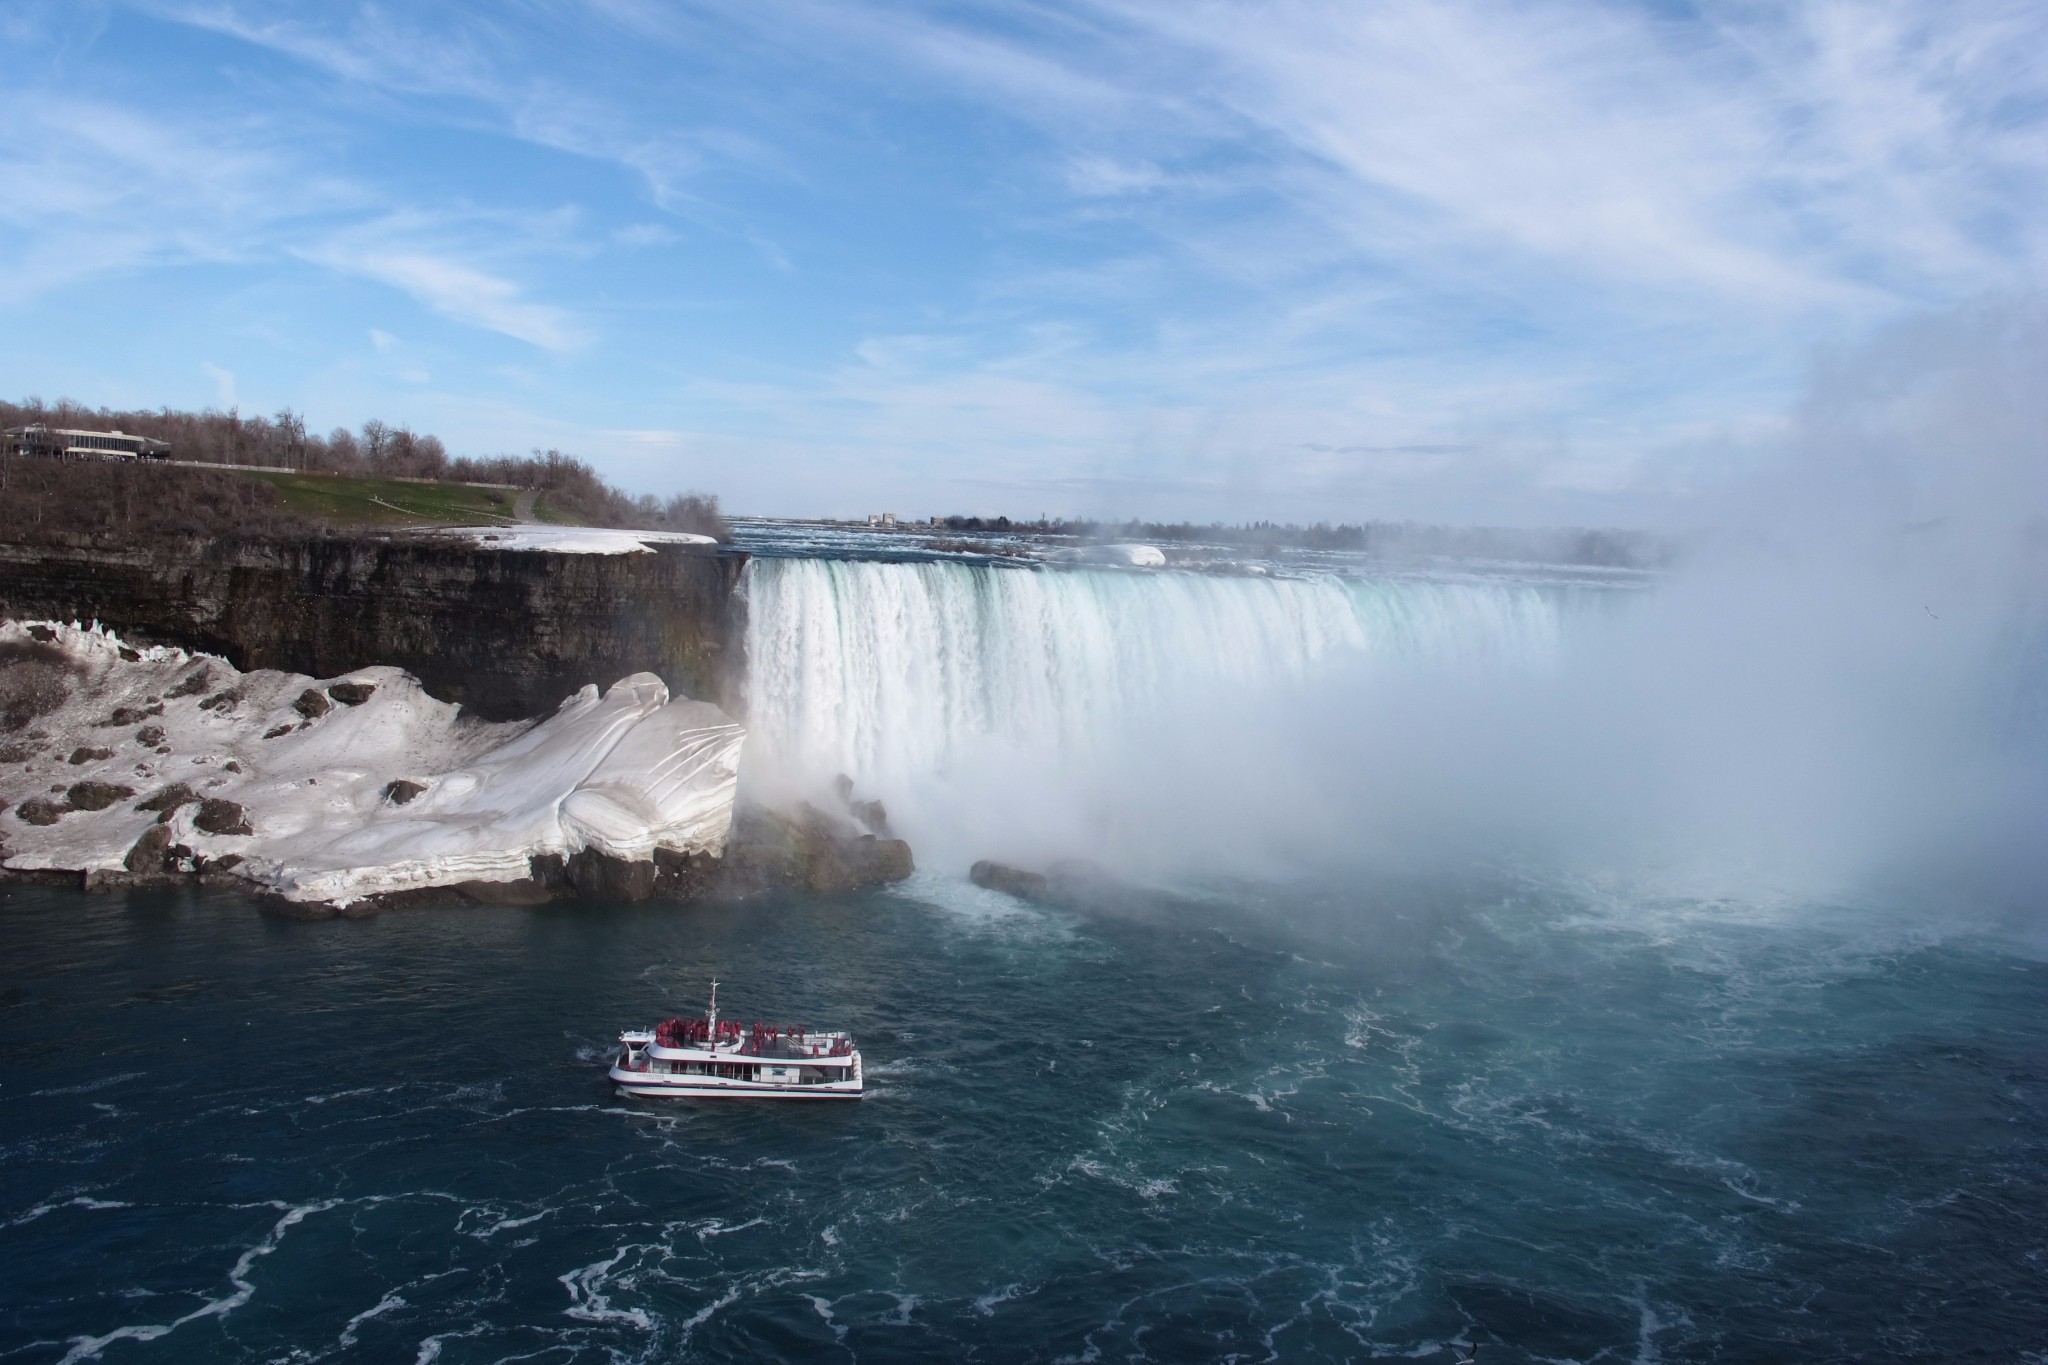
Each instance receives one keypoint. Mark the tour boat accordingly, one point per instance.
(713, 1058)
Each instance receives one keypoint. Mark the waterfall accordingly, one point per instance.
(915, 677)
(1798, 727)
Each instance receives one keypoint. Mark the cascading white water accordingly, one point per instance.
(945, 685)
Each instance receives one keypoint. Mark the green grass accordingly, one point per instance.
(545, 510)
(390, 502)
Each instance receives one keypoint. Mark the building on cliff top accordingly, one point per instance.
(65, 443)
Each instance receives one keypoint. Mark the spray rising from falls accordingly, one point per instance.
(1035, 709)
(1739, 728)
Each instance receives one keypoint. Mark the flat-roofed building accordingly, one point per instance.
(67, 443)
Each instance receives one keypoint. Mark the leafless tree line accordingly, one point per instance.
(573, 489)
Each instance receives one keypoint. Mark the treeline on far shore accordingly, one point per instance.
(1596, 548)
(573, 489)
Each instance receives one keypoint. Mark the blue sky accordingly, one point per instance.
(1448, 259)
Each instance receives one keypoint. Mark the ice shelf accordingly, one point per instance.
(625, 772)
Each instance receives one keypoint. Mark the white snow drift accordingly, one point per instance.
(626, 772)
(573, 540)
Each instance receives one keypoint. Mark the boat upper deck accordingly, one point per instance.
(696, 1040)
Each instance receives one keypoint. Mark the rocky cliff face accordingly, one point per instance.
(506, 633)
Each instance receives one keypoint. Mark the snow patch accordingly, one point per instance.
(573, 540)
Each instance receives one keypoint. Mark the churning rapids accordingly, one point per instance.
(1586, 972)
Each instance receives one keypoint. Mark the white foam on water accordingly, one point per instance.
(716, 1228)
(389, 1303)
(76, 1202)
(587, 1299)
(823, 1308)
(88, 1087)
(986, 1305)
(89, 1348)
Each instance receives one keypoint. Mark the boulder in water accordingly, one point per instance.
(1015, 881)
(774, 850)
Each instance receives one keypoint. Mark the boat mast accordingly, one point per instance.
(711, 1015)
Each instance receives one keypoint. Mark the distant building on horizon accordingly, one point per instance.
(65, 443)
(881, 518)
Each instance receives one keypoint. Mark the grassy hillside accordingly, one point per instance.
(349, 501)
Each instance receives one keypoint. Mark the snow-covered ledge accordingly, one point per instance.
(572, 540)
(332, 791)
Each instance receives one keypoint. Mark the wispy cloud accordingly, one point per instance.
(460, 291)
(223, 382)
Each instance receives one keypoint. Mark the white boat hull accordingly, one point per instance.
(686, 1086)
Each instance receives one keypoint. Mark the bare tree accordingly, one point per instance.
(376, 440)
(343, 450)
(292, 428)
(431, 457)
(398, 454)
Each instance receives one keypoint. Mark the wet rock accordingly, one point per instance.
(39, 810)
(43, 633)
(598, 876)
(151, 852)
(168, 799)
(312, 705)
(274, 731)
(82, 754)
(351, 693)
(17, 753)
(685, 876)
(96, 795)
(133, 656)
(872, 816)
(1014, 881)
(226, 862)
(218, 816)
(772, 850)
(1069, 883)
(226, 700)
(232, 766)
(401, 792)
(149, 736)
(845, 864)
(192, 684)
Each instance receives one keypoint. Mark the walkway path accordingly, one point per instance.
(522, 507)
